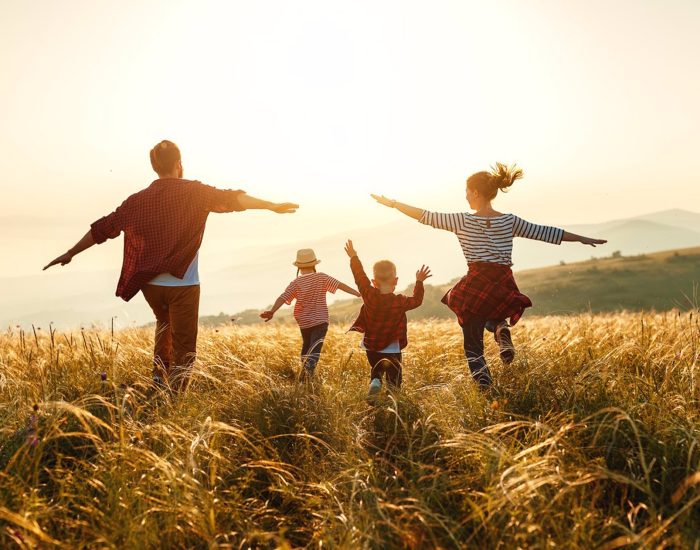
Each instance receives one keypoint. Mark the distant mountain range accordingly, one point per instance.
(68, 297)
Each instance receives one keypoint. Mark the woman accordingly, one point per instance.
(487, 295)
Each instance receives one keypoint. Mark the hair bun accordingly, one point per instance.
(503, 176)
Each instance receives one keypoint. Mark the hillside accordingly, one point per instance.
(658, 281)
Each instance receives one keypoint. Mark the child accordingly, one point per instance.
(487, 295)
(310, 311)
(382, 318)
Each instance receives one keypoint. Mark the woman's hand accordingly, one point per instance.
(381, 199)
(423, 273)
(267, 315)
(591, 242)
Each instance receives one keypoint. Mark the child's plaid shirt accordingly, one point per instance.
(382, 317)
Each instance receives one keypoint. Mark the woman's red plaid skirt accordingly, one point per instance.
(488, 290)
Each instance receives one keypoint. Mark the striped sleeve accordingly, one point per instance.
(290, 292)
(546, 233)
(331, 284)
(438, 220)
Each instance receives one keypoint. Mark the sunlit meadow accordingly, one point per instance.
(589, 439)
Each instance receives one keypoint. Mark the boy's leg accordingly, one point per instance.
(473, 330)
(393, 369)
(184, 322)
(376, 364)
(163, 344)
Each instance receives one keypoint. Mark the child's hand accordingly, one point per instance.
(350, 249)
(423, 273)
(592, 242)
(267, 315)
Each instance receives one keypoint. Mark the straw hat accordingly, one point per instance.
(306, 257)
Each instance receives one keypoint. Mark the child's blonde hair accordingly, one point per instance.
(384, 271)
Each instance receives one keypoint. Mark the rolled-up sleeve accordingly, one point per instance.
(108, 227)
(219, 200)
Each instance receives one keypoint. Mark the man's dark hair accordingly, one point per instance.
(164, 157)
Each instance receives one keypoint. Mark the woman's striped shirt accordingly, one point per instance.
(490, 239)
(310, 293)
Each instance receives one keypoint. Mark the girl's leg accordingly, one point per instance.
(317, 335)
(305, 345)
(473, 330)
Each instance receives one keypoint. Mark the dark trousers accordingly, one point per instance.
(386, 363)
(312, 343)
(176, 309)
(473, 331)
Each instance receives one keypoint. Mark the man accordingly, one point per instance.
(163, 227)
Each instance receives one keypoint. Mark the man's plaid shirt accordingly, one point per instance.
(382, 316)
(163, 227)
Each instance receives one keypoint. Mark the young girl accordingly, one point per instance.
(487, 295)
(310, 311)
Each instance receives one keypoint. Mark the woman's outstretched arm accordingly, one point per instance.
(572, 237)
(407, 209)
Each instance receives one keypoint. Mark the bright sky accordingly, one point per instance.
(322, 102)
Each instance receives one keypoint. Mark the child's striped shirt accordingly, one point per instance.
(310, 293)
(490, 239)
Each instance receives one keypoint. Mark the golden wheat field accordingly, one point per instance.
(590, 439)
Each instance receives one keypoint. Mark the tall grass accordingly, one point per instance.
(589, 439)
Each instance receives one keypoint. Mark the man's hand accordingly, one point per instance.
(284, 207)
(350, 249)
(592, 242)
(63, 259)
(423, 273)
(381, 199)
(267, 315)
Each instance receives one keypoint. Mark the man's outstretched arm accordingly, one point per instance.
(83, 244)
(252, 203)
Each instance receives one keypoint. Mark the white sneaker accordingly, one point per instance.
(375, 386)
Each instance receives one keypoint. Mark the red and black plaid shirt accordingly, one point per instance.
(382, 316)
(163, 227)
(488, 290)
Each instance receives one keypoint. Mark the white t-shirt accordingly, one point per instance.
(394, 347)
(191, 276)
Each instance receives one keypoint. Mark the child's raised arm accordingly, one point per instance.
(412, 302)
(361, 280)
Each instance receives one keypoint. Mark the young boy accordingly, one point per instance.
(382, 318)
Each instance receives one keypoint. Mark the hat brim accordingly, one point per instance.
(306, 264)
